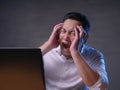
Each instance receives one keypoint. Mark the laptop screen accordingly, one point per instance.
(21, 69)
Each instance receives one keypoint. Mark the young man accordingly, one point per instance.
(70, 64)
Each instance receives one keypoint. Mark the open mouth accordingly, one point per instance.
(65, 46)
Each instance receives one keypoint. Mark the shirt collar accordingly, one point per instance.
(58, 50)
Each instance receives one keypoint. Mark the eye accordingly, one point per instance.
(72, 32)
(62, 30)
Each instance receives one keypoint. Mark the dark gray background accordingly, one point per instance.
(28, 23)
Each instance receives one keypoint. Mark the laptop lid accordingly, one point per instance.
(21, 69)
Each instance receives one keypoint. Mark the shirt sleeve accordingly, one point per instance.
(96, 62)
(99, 85)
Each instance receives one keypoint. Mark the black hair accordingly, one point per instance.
(79, 17)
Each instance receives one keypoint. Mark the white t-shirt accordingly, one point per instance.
(62, 74)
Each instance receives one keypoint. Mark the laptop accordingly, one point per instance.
(21, 69)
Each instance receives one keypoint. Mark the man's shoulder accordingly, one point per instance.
(53, 51)
(92, 51)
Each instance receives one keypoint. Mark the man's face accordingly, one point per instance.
(67, 35)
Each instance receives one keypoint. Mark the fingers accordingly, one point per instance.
(82, 32)
(56, 30)
(76, 33)
(58, 27)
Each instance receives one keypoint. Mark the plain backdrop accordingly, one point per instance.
(28, 23)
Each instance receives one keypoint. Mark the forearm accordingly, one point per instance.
(89, 76)
(45, 48)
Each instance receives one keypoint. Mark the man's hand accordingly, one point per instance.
(53, 40)
(79, 40)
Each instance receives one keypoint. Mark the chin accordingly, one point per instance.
(68, 56)
(66, 53)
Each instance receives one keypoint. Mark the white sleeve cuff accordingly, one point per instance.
(97, 85)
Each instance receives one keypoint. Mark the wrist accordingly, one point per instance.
(48, 46)
(74, 52)
(45, 47)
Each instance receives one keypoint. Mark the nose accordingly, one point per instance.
(67, 37)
